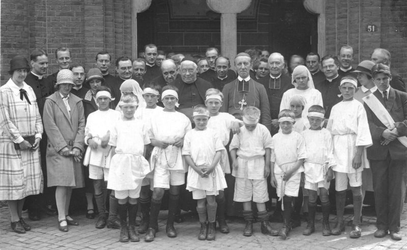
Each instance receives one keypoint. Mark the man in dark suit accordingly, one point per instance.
(152, 70)
(312, 63)
(223, 74)
(212, 55)
(389, 151)
(168, 73)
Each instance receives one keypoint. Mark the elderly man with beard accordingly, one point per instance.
(276, 83)
(245, 91)
(191, 89)
(346, 59)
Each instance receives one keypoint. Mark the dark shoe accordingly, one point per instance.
(309, 229)
(102, 221)
(395, 235)
(90, 214)
(71, 222)
(17, 227)
(133, 234)
(203, 231)
(326, 228)
(266, 228)
(144, 225)
(284, 232)
(248, 230)
(171, 232)
(124, 234)
(150, 235)
(356, 232)
(63, 228)
(339, 228)
(211, 231)
(34, 215)
(223, 227)
(113, 223)
(380, 233)
(25, 225)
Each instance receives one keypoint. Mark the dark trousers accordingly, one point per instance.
(388, 184)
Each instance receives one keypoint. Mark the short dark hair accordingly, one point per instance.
(316, 108)
(327, 57)
(122, 58)
(224, 57)
(313, 54)
(153, 86)
(170, 87)
(212, 48)
(103, 88)
(103, 53)
(142, 60)
(150, 46)
(160, 52)
(76, 65)
(36, 53)
(61, 49)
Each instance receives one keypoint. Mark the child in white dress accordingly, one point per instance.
(97, 135)
(318, 168)
(128, 167)
(351, 135)
(223, 123)
(286, 165)
(151, 94)
(202, 151)
(250, 151)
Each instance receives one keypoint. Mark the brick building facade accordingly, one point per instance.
(89, 26)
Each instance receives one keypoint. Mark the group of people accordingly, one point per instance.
(172, 123)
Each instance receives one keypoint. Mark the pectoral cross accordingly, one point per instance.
(242, 103)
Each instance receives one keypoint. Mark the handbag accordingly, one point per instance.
(30, 139)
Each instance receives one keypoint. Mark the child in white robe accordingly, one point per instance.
(288, 154)
(297, 105)
(223, 123)
(351, 135)
(97, 157)
(318, 168)
(202, 151)
(128, 166)
(250, 152)
(151, 94)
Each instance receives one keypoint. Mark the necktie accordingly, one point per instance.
(23, 93)
(385, 95)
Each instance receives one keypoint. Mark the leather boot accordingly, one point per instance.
(112, 221)
(132, 209)
(153, 224)
(172, 209)
(221, 213)
(265, 224)
(326, 228)
(124, 233)
(203, 231)
(287, 217)
(145, 211)
(311, 219)
(357, 209)
(248, 217)
(211, 231)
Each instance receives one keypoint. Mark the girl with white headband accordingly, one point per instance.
(132, 87)
(151, 94)
(128, 167)
(202, 151)
(287, 158)
(250, 151)
(97, 135)
(304, 86)
(222, 123)
(318, 168)
(166, 130)
(351, 136)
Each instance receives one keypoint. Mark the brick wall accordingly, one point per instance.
(346, 24)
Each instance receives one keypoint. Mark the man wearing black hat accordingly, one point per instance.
(42, 87)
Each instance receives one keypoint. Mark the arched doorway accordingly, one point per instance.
(276, 25)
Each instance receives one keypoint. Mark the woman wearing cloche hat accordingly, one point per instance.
(64, 124)
(21, 127)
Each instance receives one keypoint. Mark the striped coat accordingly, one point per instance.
(20, 170)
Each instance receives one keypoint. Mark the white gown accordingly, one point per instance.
(312, 96)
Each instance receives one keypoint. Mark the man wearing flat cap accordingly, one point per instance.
(386, 111)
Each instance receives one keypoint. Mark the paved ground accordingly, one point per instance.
(45, 235)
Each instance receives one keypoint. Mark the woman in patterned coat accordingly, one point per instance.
(20, 135)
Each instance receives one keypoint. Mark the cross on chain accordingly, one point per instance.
(242, 103)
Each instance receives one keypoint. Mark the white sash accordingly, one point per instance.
(382, 114)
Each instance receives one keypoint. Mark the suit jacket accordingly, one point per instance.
(396, 105)
(201, 85)
(397, 82)
(42, 89)
(256, 97)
